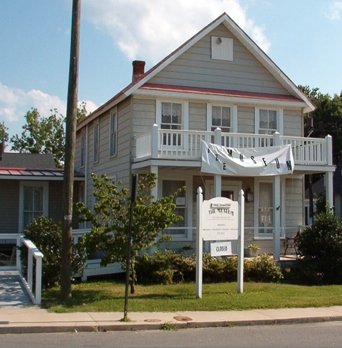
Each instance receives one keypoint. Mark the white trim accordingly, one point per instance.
(45, 186)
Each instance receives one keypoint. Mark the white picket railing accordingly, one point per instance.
(33, 285)
(35, 292)
(186, 145)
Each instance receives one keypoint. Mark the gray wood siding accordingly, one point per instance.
(293, 123)
(294, 202)
(113, 166)
(9, 203)
(144, 116)
(198, 116)
(56, 201)
(246, 119)
(196, 68)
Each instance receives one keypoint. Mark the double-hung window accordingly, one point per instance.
(221, 118)
(171, 119)
(33, 202)
(83, 148)
(268, 121)
(96, 141)
(113, 135)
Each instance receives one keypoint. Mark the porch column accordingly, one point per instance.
(154, 142)
(328, 177)
(217, 178)
(154, 191)
(329, 191)
(276, 218)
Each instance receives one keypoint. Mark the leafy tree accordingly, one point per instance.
(3, 132)
(42, 135)
(110, 220)
(327, 117)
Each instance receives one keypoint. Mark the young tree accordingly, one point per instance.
(110, 220)
(3, 132)
(42, 135)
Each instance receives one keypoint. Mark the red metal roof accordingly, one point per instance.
(24, 172)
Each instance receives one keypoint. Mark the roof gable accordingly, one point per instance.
(242, 37)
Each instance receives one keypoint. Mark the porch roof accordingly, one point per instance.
(220, 92)
(14, 173)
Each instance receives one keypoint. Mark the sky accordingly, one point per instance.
(303, 37)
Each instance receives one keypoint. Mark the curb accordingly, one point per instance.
(161, 326)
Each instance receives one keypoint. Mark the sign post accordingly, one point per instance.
(199, 245)
(241, 242)
(219, 219)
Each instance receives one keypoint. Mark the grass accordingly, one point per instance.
(109, 296)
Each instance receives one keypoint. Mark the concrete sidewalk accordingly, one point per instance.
(36, 320)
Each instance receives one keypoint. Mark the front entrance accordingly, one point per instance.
(229, 189)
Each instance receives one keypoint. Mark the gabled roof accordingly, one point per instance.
(250, 45)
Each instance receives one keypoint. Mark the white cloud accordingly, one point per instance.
(151, 29)
(335, 10)
(15, 102)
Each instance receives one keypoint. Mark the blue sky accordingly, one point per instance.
(303, 37)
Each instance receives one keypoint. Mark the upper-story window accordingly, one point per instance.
(96, 141)
(83, 148)
(221, 117)
(171, 116)
(113, 136)
(268, 123)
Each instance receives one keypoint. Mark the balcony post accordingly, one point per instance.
(154, 141)
(328, 177)
(276, 207)
(217, 178)
(276, 139)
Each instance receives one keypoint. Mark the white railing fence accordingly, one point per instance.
(32, 279)
(186, 144)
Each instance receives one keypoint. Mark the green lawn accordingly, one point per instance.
(109, 296)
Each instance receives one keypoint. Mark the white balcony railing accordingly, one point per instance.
(186, 145)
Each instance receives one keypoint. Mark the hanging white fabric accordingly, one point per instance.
(262, 161)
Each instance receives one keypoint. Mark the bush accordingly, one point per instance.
(47, 236)
(168, 267)
(262, 269)
(320, 246)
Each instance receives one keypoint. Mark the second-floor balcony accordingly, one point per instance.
(186, 145)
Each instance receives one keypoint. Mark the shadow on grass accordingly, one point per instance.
(79, 297)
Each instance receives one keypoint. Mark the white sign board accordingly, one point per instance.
(220, 248)
(220, 220)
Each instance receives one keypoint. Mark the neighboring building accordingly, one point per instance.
(30, 186)
(218, 79)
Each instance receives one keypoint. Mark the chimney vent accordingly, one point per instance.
(138, 69)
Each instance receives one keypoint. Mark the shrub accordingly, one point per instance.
(47, 236)
(320, 246)
(168, 267)
(262, 269)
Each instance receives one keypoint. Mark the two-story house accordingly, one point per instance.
(219, 87)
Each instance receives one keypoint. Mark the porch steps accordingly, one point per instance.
(12, 292)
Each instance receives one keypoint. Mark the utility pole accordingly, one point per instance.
(70, 141)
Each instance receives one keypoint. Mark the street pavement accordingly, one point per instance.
(18, 315)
